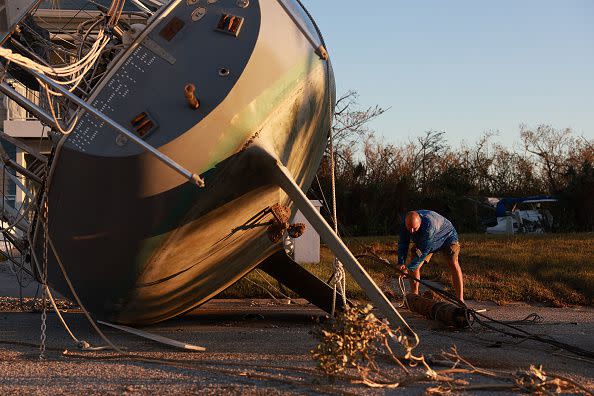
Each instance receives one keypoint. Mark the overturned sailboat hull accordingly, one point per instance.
(141, 243)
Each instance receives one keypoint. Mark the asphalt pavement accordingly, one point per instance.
(258, 347)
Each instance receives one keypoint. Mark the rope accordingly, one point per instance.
(262, 287)
(276, 289)
(82, 344)
(339, 276)
(70, 75)
(78, 301)
(53, 112)
(73, 74)
(338, 279)
(402, 288)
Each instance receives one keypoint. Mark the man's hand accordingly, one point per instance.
(403, 269)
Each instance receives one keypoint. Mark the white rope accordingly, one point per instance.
(73, 74)
(82, 344)
(53, 111)
(404, 303)
(339, 276)
(64, 75)
(70, 75)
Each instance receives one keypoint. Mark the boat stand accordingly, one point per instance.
(283, 178)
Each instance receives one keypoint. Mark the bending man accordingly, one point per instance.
(430, 232)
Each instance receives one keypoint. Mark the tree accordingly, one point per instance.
(552, 147)
(351, 122)
(431, 146)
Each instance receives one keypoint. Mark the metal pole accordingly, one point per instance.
(141, 5)
(196, 179)
(29, 150)
(27, 104)
(20, 169)
(285, 180)
(318, 46)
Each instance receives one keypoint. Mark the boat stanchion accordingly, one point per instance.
(155, 337)
(283, 178)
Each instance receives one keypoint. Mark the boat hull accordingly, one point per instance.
(140, 243)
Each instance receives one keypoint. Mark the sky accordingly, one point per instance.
(464, 67)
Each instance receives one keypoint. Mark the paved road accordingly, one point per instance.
(9, 285)
(255, 347)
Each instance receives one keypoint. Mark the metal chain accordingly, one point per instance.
(45, 221)
(43, 326)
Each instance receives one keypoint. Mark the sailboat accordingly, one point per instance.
(176, 171)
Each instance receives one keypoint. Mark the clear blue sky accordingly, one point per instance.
(464, 66)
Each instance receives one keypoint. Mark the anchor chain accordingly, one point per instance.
(44, 220)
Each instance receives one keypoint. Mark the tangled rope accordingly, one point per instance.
(73, 74)
(69, 75)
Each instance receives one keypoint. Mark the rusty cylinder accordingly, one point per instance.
(190, 92)
(442, 311)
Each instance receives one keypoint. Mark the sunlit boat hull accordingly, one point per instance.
(139, 242)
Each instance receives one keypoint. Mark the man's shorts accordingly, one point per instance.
(451, 250)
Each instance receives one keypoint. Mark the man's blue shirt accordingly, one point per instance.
(435, 232)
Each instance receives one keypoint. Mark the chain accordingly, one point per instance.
(43, 325)
(45, 221)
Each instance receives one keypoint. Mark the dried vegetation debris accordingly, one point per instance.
(28, 304)
(355, 345)
(355, 339)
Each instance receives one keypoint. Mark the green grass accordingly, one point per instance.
(555, 269)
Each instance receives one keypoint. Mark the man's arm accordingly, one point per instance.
(403, 242)
(425, 248)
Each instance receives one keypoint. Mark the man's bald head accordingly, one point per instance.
(412, 222)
